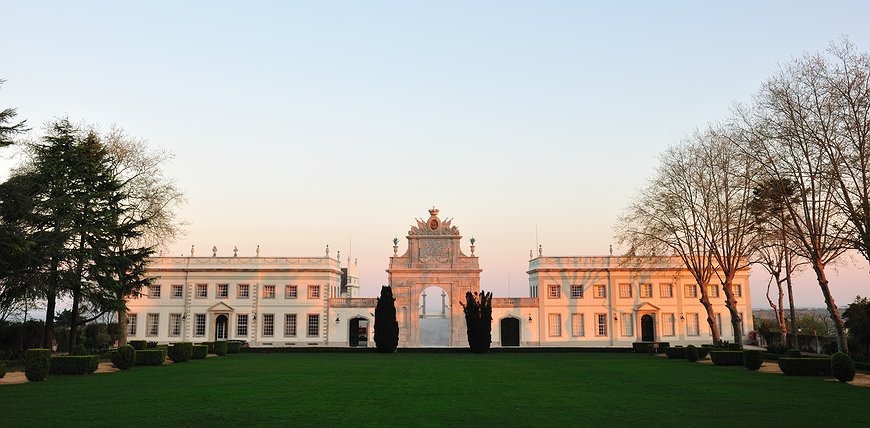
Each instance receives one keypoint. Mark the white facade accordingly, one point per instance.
(314, 301)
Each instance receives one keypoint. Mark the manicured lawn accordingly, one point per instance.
(348, 389)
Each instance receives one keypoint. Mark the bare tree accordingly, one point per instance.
(666, 219)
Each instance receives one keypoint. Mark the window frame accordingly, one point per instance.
(315, 325)
(670, 291)
(314, 292)
(154, 291)
(268, 291)
(132, 320)
(291, 292)
(576, 291)
(155, 331)
(625, 290)
(599, 326)
(693, 294)
(554, 291)
(644, 295)
(575, 331)
(246, 294)
(196, 325)
(173, 289)
(240, 325)
(291, 325)
(201, 291)
(175, 321)
(268, 322)
(603, 291)
(225, 294)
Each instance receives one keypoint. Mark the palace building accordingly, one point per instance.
(314, 301)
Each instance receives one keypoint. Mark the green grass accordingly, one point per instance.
(368, 389)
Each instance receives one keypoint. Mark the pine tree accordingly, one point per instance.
(386, 326)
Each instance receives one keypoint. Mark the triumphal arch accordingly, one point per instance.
(433, 259)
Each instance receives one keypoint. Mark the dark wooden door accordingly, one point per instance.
(510, 332)
(647, 328)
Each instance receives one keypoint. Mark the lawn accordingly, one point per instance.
(419, 389)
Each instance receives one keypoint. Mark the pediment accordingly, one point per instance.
(646, 306)
(221, 307)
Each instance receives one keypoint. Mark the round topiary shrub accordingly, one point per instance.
(220, 347)
(36, 364)
(752, 359)
(124, 358)
(692, 353)
(842, 367)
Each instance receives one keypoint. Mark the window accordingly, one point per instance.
(223, 291)
(199, 325)
(668, 321)
(719, 322)
(242, 325)
(576, 291)
(131, 324)
(153, 325)
(243, 291)
(738, 290)
(155, 292)
(202, 291)
(313, 291)
(174, 325)
(290, 325)
(177, 292)
(627, 325)
(268, 325)
(602, 324)
(555, 325)
(646, 290)
(577, 325)
(712, 291)
(291, 292)
(268, 291)
(666, 290)
(625, 291)
(554, 291)
(600, 291)
(691, 290)
(313, 324)
(692, 325)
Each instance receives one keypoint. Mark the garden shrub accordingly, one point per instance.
(150, 357)
(220, 347)
(73, 364)
(181, 352)
(675, 353)
(703, 351)
(752, 359)
(199, 352)
(793, 353)
(234, 347)
(124, 357)
(842, 367)
(727, 358)
(777, 348)
(36, 364)
(138, 344)
(692, 353)
(150, 345)
(734, 347)
(640, 347)
(805, 366)
(651, 350)
(210, 346)
(2, 370)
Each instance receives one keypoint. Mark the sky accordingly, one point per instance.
(296, 125)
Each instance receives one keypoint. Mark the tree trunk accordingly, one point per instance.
(842, 337)
(122, 325)
(778, 310)
(794, 340)
(77, 297)
(731, 304)
(711, 316)
(50, 302)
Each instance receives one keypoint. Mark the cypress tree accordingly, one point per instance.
(386, 326)
(478, 320)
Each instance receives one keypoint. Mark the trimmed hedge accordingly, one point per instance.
(675, 353)
(703, 352)
(2, 370)
(138, 344)
(805, 366)
(210, 346)
(793, 353)
(692, 353)
(150, 357)
(73, 364)
(752, 359)
(181, 352)
(36, 364)
(734, 347)
(124, 358)
(643, 347)
(199, 352)
(234, 347)
(220, 347)
(841, 366)
(727, 358)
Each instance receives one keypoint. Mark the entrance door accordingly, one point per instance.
(358, 332)
(510, 332)
(647, 328)
(221, 328)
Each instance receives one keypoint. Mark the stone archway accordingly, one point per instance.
(433, 322)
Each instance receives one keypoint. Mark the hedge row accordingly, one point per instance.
(36, 364)
(139, 345)
(805, 366)
(234, 347)
(727, 358)
(2, 370)
(124, 357)
(73, 364)
(150, 357)
(181, 352)
(199, 351)
(643, 347)
(675, 353)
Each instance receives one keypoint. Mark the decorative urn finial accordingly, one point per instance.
(472, 245)
(214, 251)
(396, 246)
(235, 251)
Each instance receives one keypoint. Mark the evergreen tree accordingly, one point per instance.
(8, 128)
(386, 326)
(478, 320)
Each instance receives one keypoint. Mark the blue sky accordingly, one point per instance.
(301, 124)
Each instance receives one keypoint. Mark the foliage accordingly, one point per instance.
(124, 358)
(703, 352)
(386, 325)
(220, 347)
(727, 358)
(234, 346)
(73, 364)
(777, 348)
(793, 353)
(150, 357)
(2, 370)
(734, 347)
(842, 367)
(478, 320)
(805, 366)
(138, 344)
(692, 353)
(36, 364)
(675, 352)
(857, 320)
(199, 352)
(752, 359)
(181, 352)
(8, 127)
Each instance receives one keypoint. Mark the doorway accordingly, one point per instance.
(647, 328)
(510, 331)
(434, 324)
(221, 327)
(358, 333)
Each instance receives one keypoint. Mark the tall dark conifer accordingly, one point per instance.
(386, 325)
(478, 320)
